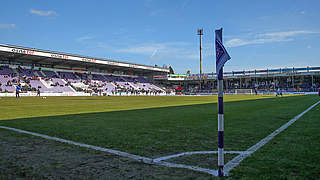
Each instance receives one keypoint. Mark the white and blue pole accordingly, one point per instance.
(222, 57)
(220, 124)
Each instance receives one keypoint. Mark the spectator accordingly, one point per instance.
(38, 92)
(18, 88)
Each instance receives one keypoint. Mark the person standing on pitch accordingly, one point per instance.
(279, 92)
(256, 88)
(18, 88)
(38, 92)
(319, 91)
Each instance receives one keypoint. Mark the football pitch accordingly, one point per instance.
(157, 127)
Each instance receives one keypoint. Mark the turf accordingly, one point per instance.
(24, 107)
(293, 154)
(154, 126)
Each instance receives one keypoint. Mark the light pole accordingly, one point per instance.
(200, 33)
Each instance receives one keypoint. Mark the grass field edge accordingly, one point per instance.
(237, 160)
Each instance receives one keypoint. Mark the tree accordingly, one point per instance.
(171, 70)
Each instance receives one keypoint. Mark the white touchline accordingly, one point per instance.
(236, 161)
(119, 153)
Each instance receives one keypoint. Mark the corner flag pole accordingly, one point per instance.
(222, 57)
(220, 124)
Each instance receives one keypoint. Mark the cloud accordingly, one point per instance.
(43, 13)
(242, 42)
(267, 38)
(154, 53)
(145, 49)
(286, 34)
(158, 51)
(157, 12)
(184, 4)
(7, 26)
(84, 38)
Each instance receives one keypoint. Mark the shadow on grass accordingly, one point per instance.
(162, 131)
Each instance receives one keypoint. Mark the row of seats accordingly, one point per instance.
(62, 81)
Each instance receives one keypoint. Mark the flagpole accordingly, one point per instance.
(221, 57)
(220, 124)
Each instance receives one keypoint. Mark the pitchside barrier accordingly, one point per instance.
(44, 94)
(13, 94)
(162, 94)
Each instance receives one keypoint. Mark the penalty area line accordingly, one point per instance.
(236, 161)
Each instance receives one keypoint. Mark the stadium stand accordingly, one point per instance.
(68, 81)
(56, 72)
(70, 74)
(57, 81)
(267, 81)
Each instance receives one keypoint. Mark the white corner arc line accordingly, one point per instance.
(193, 153)
(119, 153)
(194, 168)
(236, 161)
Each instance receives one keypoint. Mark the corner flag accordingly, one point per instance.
(222, 55)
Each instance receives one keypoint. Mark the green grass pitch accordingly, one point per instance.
(160, 126)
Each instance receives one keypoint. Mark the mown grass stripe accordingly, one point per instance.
(236, 161)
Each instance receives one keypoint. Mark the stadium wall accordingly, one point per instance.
(45, 94)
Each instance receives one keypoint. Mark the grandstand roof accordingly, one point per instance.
(39, 56)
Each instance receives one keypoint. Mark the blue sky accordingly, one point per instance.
(257, 34)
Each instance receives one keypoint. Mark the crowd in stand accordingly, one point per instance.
(117, 85)
(90, 83)
(121, 89)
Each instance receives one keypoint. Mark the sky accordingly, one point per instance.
(257, 34)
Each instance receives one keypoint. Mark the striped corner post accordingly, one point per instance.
(222, 57)
(220, 124)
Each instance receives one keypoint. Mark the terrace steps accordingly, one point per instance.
(45, 83)
(15, 71)
(42, 74)
(36, 73)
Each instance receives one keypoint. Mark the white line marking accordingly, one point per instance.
(194, 168)
(236, 161)
(119, 153)
(195, 152)
(159, 161)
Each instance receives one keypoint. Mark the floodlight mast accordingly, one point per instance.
(200, 33)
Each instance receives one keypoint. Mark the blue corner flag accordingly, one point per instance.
(222, 55)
